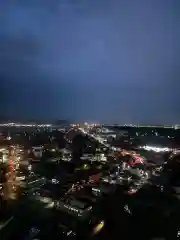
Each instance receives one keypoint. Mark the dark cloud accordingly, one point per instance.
(98, 60)
(17, 55)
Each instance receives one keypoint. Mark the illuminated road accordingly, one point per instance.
(133, 154)
(98, 139)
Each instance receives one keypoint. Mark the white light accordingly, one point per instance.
(156, 149)
(69, 233)
(126, 208)
(30, 167)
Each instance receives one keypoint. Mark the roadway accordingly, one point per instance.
(98, 139)
(133, 154)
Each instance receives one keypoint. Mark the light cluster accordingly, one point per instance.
(24, 125)
(157, 149)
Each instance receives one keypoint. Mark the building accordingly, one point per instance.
(37, 151)
(103, 188)
(79, 212)
(100, 157)
(66, 155)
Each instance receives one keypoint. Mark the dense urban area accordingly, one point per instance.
(89, 181)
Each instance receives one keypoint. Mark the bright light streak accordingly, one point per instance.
(156, 149)
(99, 227)
(50, 205)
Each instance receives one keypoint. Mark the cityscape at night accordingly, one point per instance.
(89, 181)
(89, 120)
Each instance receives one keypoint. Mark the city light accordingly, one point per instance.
(99, 227)
(77, 193)
(24, 125)
(156, 149)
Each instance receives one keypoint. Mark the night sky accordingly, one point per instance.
(90, 60)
